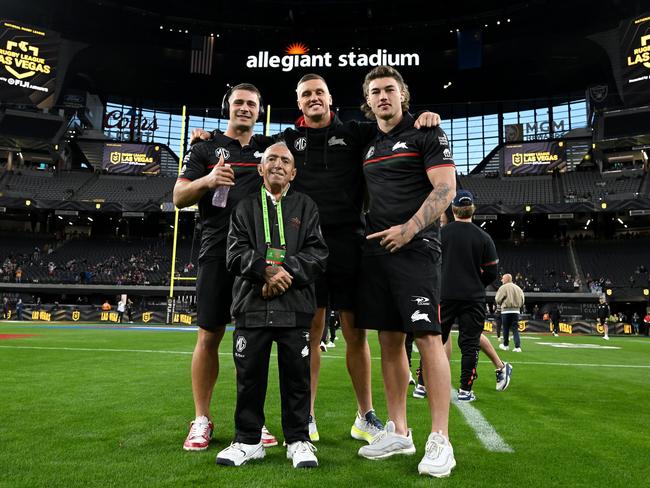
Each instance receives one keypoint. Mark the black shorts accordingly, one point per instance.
(213, 294)
(401, 291)
(336, 288)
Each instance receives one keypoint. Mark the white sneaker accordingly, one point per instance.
(330, 344)
(313, 430)
(387, 443)
(517, 349)
(606, 337)
(438, 460)
(302, 454)
(323, 347)
(237, 454)
(366, 428)
(503, 348)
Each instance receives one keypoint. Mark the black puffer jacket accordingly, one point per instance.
(305, 260)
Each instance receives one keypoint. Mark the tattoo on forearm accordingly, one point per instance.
(435, 204)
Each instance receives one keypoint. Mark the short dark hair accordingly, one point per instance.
(465, 212)
(248, 87)
(384, 72)
(309, 77)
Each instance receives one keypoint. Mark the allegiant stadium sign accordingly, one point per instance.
(297, 59)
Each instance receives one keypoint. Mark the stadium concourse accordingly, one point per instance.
(545, 109)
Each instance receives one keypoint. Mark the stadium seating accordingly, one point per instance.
(509, 191)
(616, 261)
(542, 266)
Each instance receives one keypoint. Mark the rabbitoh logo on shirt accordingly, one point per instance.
(258, 154)
(399, 145)
(417, 315)
(333, 141)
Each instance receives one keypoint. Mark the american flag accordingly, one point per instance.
(202, 54)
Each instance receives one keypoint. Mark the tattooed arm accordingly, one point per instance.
(443, 180)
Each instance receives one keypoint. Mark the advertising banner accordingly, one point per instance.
(28, 59)
(635, 60)
(131, 158)
(533, 158)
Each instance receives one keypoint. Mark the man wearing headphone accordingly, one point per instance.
(327, 153)
(208, 166)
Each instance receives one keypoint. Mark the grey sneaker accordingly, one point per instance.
(503, 376)
(366, 428)
(438, 460)
(302, 454)
(387, 443)
(237, 454)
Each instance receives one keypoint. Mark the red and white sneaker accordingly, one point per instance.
(200, 434)
(268, 439)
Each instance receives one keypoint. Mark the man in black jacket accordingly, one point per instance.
(276, 250)
(469, 265)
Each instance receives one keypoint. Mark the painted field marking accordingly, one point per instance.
(484, 431)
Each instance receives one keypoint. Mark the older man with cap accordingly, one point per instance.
(469, 265)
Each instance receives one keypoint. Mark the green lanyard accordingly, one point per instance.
(265, 213)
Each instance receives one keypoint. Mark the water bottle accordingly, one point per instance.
(220, 196)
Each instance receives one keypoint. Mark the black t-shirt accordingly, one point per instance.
(200, 160)
(395, 165)
(469, 261)
(329, 169)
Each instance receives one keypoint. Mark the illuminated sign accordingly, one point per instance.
(109, 316)
(146, 317)
(41, 315)
(131, 158)
(297, 56)
(635, 57)
(28, 56)
(76, 315)
(182, 318)
(115, 119)
(533, 157)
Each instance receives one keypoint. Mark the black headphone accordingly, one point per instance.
(225, 104)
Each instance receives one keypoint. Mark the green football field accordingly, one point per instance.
(86, 407)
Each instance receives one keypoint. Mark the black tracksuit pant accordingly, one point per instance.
(252, 351)
(471, 319)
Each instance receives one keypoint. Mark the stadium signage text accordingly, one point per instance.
(264, 59)
(116, 119)
(543, 157)
(28, 60)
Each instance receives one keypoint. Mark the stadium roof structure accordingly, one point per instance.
(512, 50)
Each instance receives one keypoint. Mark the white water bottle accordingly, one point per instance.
(220, 196)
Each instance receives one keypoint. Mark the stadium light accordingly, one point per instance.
(98, 206)
(90, 218)
(646, 292)
(603, 205)
(619, 219)
(528, 208)
(59, 217)
(28, 202)
(588, 222)
(609, 292)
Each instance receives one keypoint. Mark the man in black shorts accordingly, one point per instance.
(228, 160)
(469, 265)
(327, 153)
(399, 289)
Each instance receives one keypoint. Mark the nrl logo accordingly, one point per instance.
(76, 315)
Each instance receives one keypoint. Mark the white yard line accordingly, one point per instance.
(484, 431)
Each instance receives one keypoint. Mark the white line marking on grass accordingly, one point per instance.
(90, 349)
(481, 427)
(328, 356)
